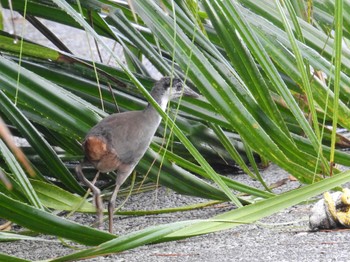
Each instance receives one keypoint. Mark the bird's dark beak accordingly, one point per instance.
(189, 92)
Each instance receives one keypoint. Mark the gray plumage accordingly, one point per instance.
(119, 141)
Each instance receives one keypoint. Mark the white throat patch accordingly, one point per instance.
(163, 102)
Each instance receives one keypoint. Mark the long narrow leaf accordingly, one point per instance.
(54, 197)
(7, 236)
(38, 142)
(261, 55)
(302, 68)
(20, 175)
(8, 258)
(216, 89)
(247, 214)
(253, 212)
(132, 240)
(44, 222)
(337, 67)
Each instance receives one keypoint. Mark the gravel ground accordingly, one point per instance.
(284, 236)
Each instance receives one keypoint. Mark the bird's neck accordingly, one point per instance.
(152, 114)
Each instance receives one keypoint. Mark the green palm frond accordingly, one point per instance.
(274, 81)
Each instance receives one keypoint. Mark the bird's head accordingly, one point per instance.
(175, 88)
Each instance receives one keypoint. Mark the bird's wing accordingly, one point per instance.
(126, 133)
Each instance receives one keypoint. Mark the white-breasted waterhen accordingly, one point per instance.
(119, 141)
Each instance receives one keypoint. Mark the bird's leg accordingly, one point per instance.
(122, 175)
(95, 178)
(96, 193)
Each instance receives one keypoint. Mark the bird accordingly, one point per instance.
(119, 141)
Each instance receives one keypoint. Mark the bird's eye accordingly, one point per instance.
(178, 86)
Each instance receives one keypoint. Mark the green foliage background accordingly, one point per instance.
(274, 77)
